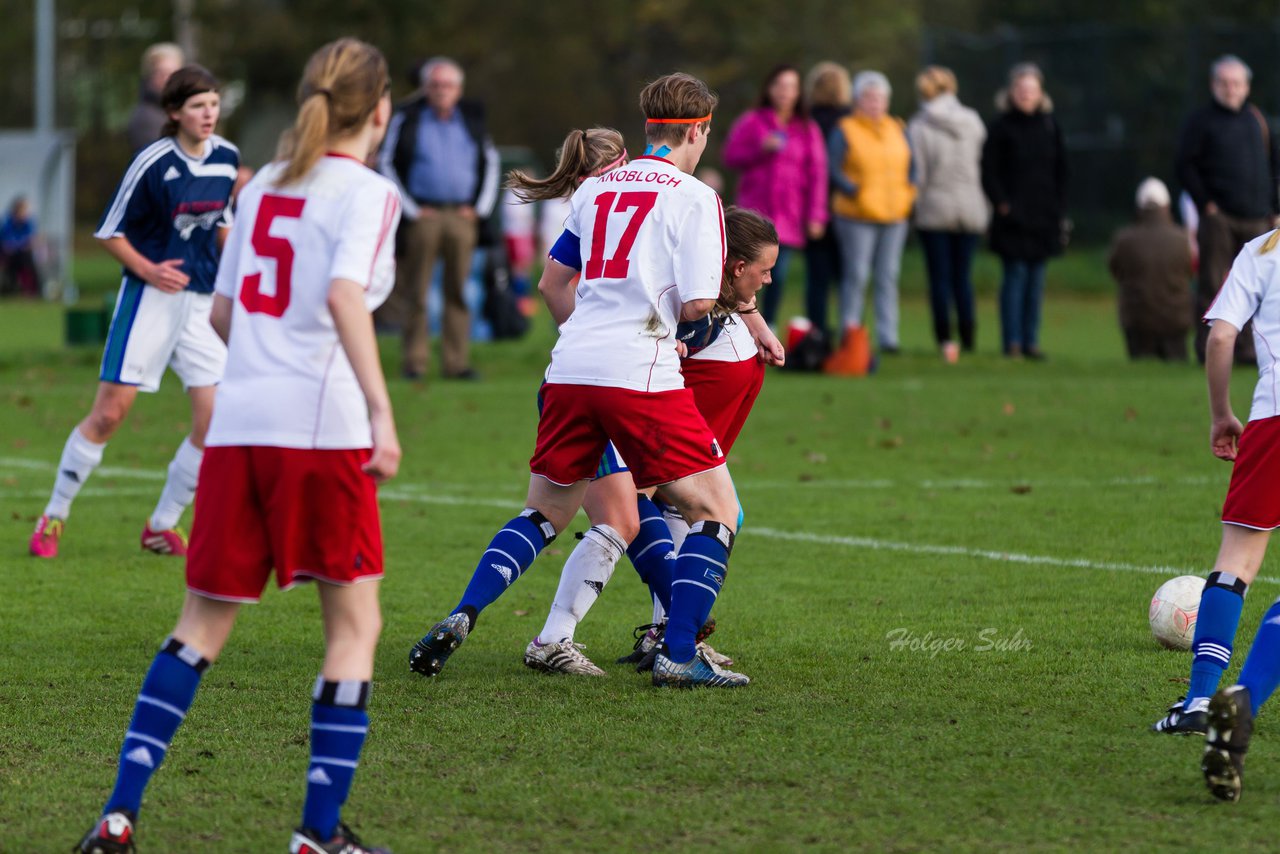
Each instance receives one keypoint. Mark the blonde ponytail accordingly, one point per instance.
(340, 88)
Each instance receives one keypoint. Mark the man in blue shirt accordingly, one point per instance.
(439, 154)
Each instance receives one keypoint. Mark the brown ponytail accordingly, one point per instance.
(340, 88)
(583, 154)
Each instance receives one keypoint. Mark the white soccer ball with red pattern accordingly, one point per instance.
(1173, 611)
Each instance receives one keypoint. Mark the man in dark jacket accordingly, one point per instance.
(438, 152)
(1227, 162)
(148, 117)
(1151, 263)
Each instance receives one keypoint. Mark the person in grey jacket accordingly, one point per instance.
(951, 210)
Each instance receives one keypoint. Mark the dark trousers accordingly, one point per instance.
(1143, 344)
(1021, 298)
(822, 267)
(1221, 238)
(948, 258)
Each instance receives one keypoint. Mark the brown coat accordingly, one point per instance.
(1151, 263)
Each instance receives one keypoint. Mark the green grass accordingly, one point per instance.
(896, 502)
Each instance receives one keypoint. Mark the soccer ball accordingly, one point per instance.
(1173, 611)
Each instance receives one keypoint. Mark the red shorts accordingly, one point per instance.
(307, 514)
(661, 435)
(725, 393)
(1253, 498)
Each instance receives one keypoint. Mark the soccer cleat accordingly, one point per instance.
(307, 841)
(429, 654)
(647, 637)
(44, 540)
(171, 542)
(645, 663)
(562, 657)
(695, 673)
(113, 834)
(1180, 721)
(1226, 741)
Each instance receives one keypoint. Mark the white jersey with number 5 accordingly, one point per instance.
(288, 382)
(651, 239)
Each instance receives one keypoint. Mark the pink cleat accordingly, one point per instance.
(171, 542)
(44, 542)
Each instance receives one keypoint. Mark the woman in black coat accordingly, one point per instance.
(1024, 174)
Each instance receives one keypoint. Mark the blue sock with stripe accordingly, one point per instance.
(510, 553)
(1216, 623)
(650, 552)
(166, 694)
(1261, 673)
(339, 723)
(699, 574)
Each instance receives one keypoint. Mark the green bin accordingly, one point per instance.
(85, 326)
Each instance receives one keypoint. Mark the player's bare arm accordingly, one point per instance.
(557, 289)
(355, 331)
(771, 350)
(1225, 431)
(696, 309)
(220, 316)
(165, 275)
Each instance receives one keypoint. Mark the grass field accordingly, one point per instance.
(1006, 522)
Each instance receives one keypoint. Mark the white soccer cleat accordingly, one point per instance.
(561, 657)
(697, 672)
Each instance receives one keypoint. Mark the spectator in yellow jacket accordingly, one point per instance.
(869, 159)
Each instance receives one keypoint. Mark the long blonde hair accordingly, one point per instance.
(584, 153)
(340, 88)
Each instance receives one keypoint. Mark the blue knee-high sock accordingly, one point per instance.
(1216, 623)
(699, 574)
(1261, 673)
(650, 552)
(510, 553)
(338, 726)
(166, 694)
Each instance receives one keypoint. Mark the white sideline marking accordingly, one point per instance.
(977, 483)
(417, 492)
(986, 554)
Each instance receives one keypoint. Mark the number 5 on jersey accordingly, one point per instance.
(617, 266)
(253, 295)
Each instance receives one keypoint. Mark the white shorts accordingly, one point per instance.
(152, 329)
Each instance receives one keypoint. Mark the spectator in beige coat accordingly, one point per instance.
(951, 210)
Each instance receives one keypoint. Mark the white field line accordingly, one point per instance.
(419, 493)
(21, 463)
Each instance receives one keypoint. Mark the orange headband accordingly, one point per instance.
(705, 118)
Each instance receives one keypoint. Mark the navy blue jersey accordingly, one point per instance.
(171, 205)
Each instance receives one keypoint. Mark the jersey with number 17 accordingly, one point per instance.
(288, 382)
(651, 238)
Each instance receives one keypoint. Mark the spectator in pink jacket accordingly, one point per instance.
(782, 158)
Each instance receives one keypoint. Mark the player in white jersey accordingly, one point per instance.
(1250, 513)
(651, 238)
(1252, 506)
(724, 368)
(301, 435)
(164, 226)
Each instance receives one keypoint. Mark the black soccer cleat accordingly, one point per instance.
(307, 841)
(647, 637)
(112, 834)
(1182, 721)
(429, 654)
(1226, 742)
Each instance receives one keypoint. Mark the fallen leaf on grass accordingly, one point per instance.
(1020, 488)
(521, 613)
(1008, 408)
(890, 444)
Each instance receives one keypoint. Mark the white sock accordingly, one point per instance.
(79, 458)
(179, 487)
(586, 572)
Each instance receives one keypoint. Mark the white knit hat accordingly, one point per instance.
(1152, 193)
